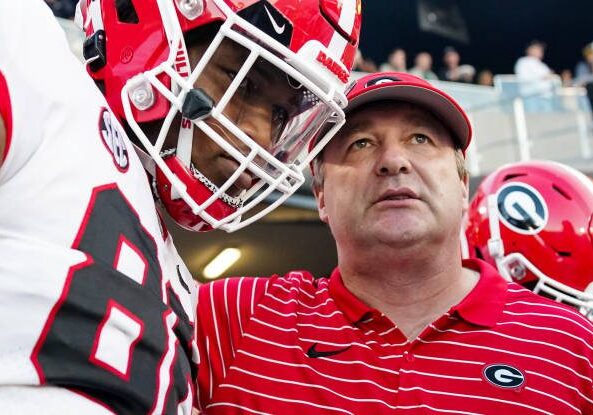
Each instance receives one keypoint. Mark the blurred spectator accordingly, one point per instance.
(583, 72)
(396, 62)
(363, 64)
(531, 66)
(485, 78)
(62, 8)
(566, 78)
(358, 61)
(535, 78)
(423, 66)
(454, 72)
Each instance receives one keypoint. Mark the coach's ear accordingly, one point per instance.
(465, 193)
(320, 199)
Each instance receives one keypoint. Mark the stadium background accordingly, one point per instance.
(497, 30)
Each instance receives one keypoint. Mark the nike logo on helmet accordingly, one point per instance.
(279, 29)
(314, 353)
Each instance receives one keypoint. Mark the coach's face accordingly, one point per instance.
(390, 176)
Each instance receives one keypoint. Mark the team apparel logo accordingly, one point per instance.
(333, 66)
(269, 20)
(279, 29)
(522, 208)
(313, 353)
(504, 376)
(382, 80)
(113, 139)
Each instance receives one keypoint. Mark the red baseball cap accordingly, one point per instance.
(409, 88)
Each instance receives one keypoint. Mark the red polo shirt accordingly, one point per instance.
(298, 345)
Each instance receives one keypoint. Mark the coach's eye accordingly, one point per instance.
(420, 139)
(360, 143)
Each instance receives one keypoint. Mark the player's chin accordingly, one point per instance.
(241, 184)
(234, 191)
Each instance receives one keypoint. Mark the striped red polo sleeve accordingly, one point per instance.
(224, 308)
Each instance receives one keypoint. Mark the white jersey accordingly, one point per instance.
(95, 303)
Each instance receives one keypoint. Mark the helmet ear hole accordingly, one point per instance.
(512, 176)
(561, 191)
(126, 12)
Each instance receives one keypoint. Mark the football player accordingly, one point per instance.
(532, 220)
(222, 97)
(97, 306)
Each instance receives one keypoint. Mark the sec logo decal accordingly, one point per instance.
(114, 139)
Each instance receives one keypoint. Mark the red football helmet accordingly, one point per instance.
(294, 56)
(532, 220)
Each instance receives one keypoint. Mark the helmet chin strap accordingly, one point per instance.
(183, 153)
(495, 244)
(183, 67)
(235, 202)
(184, 146)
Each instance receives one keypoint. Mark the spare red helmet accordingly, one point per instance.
(532, 220)
(136, 50)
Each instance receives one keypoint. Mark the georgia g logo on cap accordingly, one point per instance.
(522, 208)
(381, 80)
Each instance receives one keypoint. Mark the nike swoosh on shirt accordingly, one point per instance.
(279, 29)
(314, 353)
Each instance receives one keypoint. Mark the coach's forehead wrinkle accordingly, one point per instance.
(360, 121)
(357, 125)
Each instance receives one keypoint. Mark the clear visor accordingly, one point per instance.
(262, 120)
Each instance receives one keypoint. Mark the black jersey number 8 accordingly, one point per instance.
(112, 338)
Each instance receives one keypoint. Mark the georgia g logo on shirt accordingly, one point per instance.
(504, 376)
(113, 138)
